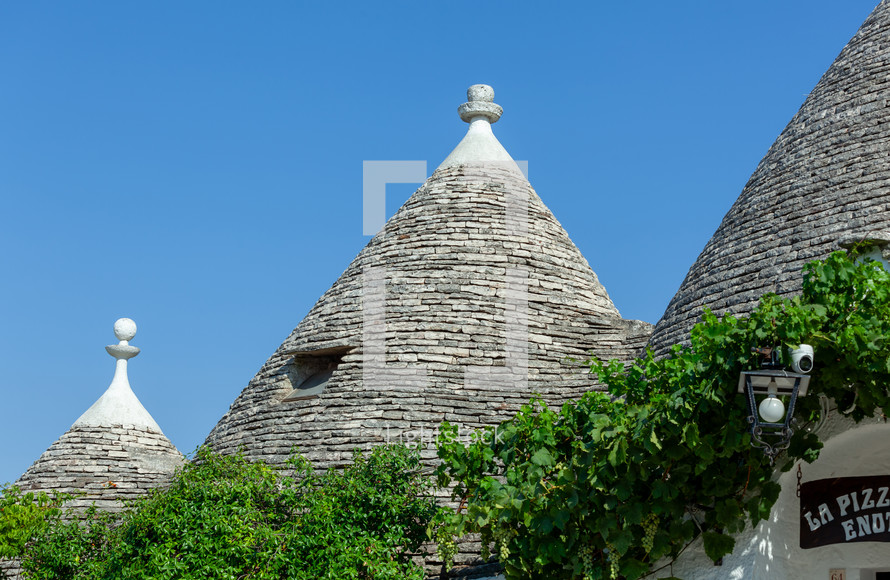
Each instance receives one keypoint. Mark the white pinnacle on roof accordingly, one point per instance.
(119, 405)
(479, 145)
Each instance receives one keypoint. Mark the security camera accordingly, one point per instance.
(801, 358)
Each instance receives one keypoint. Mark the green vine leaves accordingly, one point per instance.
(617, 483)
(24, 515)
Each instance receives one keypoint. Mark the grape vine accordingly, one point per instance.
(610, 484)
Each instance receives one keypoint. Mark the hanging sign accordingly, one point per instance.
(844, 510)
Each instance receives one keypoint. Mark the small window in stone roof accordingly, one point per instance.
(309, 373)
(311, 387)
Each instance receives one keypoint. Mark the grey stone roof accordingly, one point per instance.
(114, 452)
(106, 464)
(824, 180)
(445, 268)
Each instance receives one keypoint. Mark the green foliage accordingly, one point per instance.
(225, 517)
(23, 516)
(607, 486)
(69, 547)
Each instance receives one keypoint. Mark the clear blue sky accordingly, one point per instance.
(198, 166)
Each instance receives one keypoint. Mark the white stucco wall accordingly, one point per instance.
(772, 552)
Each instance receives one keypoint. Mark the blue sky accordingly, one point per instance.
(198, 166)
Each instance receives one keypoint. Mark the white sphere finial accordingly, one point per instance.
(480, 105)
(124, 329)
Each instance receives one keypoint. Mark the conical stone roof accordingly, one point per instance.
(824, 182)
(115, 451)
(468, 301)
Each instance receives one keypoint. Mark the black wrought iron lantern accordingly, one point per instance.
(771, 395)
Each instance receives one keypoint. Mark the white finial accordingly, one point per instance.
(119, 406)
(480, 145)
(480, 103)
(124, 329)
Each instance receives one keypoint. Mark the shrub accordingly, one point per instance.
(227, 517)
